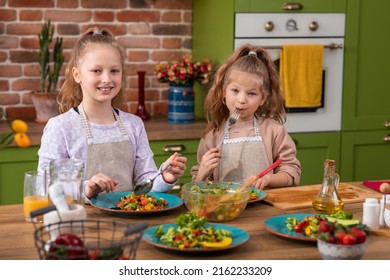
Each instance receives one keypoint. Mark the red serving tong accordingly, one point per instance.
(261, 174)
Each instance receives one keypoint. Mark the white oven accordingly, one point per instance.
(272, 31)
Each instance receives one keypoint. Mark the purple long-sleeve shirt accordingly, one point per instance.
(63, 137)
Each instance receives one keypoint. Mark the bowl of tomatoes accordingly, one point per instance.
(216, 201)
(341, 242)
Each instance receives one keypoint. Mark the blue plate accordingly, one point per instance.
(277, 225)
(260, 195)
(239, 237)
(106, 201)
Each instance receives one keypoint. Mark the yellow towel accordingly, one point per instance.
(301, 75)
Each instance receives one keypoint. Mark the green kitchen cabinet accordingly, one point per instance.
(312, 150)
(188, 148)
(365, 155)
(366, 99)
(14, 162)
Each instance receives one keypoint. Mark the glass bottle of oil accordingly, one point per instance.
(328, 200)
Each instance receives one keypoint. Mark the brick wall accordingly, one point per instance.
(150, 30)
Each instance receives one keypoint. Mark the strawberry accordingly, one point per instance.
(340, 236)
(326, 226)
(359, 234)
(349, 239)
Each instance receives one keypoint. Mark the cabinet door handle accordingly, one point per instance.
(387, 138)
(387, 123)
(292, 6)
(174, 148)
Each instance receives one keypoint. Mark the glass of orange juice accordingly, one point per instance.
(35, 194)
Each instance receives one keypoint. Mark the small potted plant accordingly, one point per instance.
(50, 63)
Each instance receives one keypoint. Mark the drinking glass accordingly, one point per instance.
(35, 194)
(70, 174)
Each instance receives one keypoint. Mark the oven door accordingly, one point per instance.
(328, 117)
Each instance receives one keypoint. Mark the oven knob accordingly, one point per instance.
(291, 25)
(269, 26)
(313, 26)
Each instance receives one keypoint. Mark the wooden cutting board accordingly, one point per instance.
(302, 196)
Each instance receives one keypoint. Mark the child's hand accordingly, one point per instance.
(178, 166)
(260, 183)
(210, 161)
(99, 183)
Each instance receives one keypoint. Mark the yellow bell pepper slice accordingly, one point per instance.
(223, 243)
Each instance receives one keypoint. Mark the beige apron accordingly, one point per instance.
(111, 155)
(242, 157)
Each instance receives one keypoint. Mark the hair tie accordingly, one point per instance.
(97, 32)
(252, 53)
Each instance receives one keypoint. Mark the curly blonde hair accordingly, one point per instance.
(250, 59)
(70, 94)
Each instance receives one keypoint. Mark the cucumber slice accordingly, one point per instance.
(343, 222)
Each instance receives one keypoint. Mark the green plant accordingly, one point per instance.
(49, 73)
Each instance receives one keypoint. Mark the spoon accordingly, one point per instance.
(146, 185)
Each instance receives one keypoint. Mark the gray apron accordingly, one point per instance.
(110, 156)
(242, 157)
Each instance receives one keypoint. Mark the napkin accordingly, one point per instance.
(374, 185)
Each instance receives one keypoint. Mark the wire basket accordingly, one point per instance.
(88, 239)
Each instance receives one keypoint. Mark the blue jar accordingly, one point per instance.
(181, 104)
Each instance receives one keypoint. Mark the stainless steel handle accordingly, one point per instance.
(174, 148)
(292, 6)
(387, 138)
(387, 123)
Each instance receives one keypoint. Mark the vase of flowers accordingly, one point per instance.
(181, 76)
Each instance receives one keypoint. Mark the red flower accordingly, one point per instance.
(184, 71)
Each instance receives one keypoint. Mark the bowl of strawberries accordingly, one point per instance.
(341, 242)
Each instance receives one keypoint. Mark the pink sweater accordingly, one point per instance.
(278, 145)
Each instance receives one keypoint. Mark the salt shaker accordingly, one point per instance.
(371, 213)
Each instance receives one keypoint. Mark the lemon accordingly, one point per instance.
(224, 243)
(22, 140)
(19, 126)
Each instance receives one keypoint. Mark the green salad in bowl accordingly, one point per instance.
(216, 201)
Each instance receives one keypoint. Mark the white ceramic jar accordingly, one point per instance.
(371, 213)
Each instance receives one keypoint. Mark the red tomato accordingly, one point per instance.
(300, 227)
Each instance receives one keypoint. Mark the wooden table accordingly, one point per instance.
(16, 236)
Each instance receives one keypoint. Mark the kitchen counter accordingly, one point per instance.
(156, 128)
(17, 242)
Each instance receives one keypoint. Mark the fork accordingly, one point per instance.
(234, 117)
(231, 121)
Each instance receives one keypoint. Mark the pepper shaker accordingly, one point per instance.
(371, 213)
